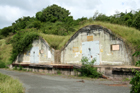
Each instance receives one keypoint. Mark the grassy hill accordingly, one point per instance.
(56, 26)
(130, 35)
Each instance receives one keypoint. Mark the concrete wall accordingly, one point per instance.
(46, 53)
(72, 52)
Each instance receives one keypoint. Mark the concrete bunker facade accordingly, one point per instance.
(40, 53)
(97, 42)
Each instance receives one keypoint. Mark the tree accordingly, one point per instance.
(136, 22)
(68, 24)
(20, 23)
(52, 13)
(5, 31)
(102, 17)
(38, 16)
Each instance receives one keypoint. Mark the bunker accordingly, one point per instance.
(97, 42)
(113, 56)
(40, 53)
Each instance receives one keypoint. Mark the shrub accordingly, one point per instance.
(20, 67)
(2, 64)
(59, 72)
(137, 53)
(22, 42)
(87, 68)
(135, 82)
(15, 68)
(24, 69)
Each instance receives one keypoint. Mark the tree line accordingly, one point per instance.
(130, 19)
(58, 21)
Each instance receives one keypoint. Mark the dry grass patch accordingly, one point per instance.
(10, 85)
(55, 41)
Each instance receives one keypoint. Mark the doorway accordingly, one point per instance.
(91, 51)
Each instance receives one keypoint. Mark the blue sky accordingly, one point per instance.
(11, 10)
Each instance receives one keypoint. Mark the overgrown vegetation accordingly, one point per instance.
(2, 64)
(10, 85)
(21, 42)
(5, 52)
(59, 72)
(135, 82)
(137, 53)
(87, 68)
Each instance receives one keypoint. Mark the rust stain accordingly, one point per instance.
(75, 49)
(89, 38)
(101, 50)
(80, 51)
(81, 81)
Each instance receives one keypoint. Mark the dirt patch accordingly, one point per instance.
(123, 84)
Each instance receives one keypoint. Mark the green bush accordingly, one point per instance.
(20, 67)
(137, 53)
(15, 68)
(2, 64)
(87, 68)
(24, 69)
(135, 82)
(59, 72)
(22, 42)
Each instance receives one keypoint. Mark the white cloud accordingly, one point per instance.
(11, 10)
(10, 13)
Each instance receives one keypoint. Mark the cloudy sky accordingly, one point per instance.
(11, 10)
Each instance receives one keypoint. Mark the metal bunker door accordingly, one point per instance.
(91, 51)
(34, 55)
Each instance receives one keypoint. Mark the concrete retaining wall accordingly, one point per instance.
(117, 72)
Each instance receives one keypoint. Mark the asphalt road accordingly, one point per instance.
(35, 83)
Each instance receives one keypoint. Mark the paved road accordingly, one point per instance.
(34, 83)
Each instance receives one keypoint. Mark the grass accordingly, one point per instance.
(10, 85)
(55, 41)
(5, 51)
(128, 34)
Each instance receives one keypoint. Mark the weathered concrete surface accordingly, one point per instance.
(56, 84)
(44, 53)
(73, 50)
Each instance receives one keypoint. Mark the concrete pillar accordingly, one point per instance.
(53, 71)
(72, 72)
(108, 71)
(27, 68)
(102, 70)
(33, 70)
